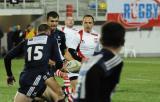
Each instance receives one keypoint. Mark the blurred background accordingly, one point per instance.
(143, 27)
(141, 51)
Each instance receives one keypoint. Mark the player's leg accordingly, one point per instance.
(32, 84)
(19, 97)
(67, 85)
(74, 79)
(74, 83)
(55, 87)
(50, 95)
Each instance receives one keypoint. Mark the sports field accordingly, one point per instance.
(140, 81)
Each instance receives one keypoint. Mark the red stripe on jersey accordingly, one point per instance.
(78, 49)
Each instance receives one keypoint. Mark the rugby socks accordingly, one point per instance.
(67, 85)
(58, 73)
(67, 89)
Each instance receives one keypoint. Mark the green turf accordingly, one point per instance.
(139, 81)
(7, 92)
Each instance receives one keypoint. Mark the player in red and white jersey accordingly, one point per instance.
(89, 37)
(72, 42)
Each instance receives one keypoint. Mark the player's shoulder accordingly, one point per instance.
(39, 39)
(94, 33)
(80, 31)
(91, 62)
(110, 60)
(51, 39)
(75, 29)
(60, 32)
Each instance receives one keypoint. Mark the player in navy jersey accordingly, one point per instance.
(101, 73)
(35, 75)
(52, 21)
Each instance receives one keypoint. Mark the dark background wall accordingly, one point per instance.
(23, 20)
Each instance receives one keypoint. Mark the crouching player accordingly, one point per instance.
(35, 75)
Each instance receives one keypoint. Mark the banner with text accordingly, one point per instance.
(134, 13)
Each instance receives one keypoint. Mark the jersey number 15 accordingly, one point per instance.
(37, 53)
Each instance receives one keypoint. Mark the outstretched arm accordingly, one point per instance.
(7, 61)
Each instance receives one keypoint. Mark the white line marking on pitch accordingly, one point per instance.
(136, 79)
(145, 62)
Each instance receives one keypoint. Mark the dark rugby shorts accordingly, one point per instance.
(32, 83)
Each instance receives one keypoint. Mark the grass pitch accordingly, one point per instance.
(139, 81)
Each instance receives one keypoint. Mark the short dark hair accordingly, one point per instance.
(52, 14)
(89, 16)
(112, 34)
(43, 27)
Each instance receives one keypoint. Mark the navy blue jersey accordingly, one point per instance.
(37, 52)
(60, 36)
(98, 77)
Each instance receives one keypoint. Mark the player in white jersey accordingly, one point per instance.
(71, 34)
(72, 42)
(89, 37)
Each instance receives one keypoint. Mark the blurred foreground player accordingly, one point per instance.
(35, 76)
(101, 73)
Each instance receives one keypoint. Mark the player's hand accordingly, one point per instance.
(10, 80)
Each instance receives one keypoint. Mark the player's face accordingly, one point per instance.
(53, 22)
(69, 22)
(88, 24)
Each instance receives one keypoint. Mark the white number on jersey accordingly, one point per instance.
(37, 54)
